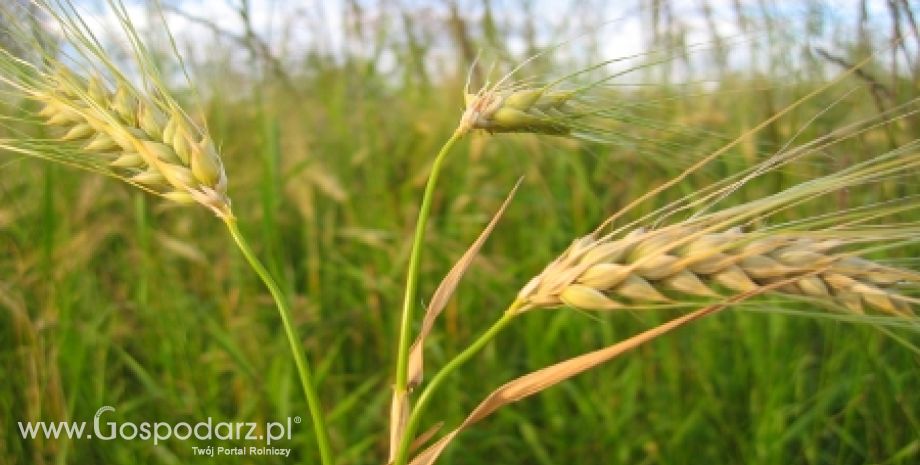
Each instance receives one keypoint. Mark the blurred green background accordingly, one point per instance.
(329, 114)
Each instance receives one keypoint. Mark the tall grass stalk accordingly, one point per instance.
(297, 350)
(410, 294)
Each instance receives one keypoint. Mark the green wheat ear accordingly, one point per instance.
(532, 110)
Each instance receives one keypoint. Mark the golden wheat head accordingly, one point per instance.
(644, 267)
(146, 141)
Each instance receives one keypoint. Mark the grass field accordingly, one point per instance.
(109, 296)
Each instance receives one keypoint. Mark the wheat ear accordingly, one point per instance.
(649, 266)
(143, 140)
(533, 110)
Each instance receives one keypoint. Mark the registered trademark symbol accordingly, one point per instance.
(297, 420)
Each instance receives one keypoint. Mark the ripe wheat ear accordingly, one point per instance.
(143, 140)
(647, 267)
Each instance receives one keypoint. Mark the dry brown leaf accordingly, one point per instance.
(446, 289)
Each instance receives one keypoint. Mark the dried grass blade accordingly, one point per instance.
(446, 289)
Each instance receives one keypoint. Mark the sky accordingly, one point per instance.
(291, 28)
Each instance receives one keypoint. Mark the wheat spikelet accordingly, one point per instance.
(534, 110)
(143, 140)
(652, 266)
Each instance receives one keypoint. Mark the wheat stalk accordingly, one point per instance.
(683, 260)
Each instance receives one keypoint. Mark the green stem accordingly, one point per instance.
(405, 324)
(300, 360)
(415, 418)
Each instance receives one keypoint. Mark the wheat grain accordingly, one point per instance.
(680, 261)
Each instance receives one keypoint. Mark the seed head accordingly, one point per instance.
(144, 140)
(647, 267)
(529, 110)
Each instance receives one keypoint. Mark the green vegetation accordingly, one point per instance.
(112, 296)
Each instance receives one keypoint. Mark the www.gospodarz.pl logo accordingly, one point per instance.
(159, 431)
